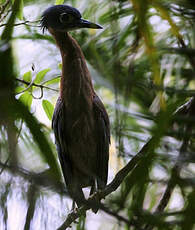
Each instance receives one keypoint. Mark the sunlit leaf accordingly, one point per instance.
(48, 108)
(19, 89)
(60, 65)
(52, 81)
(27, 76)
(26, 98)
(59, 2)
(165, 15)
(41, 75)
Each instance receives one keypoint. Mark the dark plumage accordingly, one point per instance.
(80, 121)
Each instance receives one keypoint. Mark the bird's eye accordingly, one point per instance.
(66, 18)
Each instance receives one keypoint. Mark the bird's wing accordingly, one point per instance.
(58, 125)
(103, 141)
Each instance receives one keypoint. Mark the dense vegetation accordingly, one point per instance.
(143, 67)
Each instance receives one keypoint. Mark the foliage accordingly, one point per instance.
(143, 65)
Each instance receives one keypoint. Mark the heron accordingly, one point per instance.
(80, 121)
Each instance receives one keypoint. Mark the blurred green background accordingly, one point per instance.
(143, 67)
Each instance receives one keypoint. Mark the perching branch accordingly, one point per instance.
(115, 183)
(119, 178)
(42, 180)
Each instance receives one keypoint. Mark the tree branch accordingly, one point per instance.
(92, 201)
(23, 23)
(120, 176)
(34, 84)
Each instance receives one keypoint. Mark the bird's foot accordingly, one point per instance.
(94, 201)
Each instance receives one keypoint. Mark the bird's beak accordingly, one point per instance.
(86, 24)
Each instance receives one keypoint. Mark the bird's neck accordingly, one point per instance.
(75, 86)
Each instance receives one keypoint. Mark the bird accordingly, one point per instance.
(80, 122)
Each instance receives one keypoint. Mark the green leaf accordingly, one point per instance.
(60, 66)
(19, 89)
(59, 2)
(26, 99)
(27, 76)
(48, 108)
(52, 81)
(41, 75)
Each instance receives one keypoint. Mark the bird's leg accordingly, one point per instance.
(73, 209)
(92, 191)
(73, 206)
(78, 198)
(77, 195)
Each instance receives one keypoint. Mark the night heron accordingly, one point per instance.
(80, 121)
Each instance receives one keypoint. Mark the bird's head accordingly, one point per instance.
(64, 18)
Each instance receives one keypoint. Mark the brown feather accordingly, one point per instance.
(80, 122)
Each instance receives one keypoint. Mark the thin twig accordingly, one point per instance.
(23, 23)
(41, 96)
(34, 84)
(188, 55)
(2, 9)
(45, 82)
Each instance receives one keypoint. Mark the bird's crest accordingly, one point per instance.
(51, 16)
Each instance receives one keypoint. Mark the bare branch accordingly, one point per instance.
(34, 84)
(23, 23)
